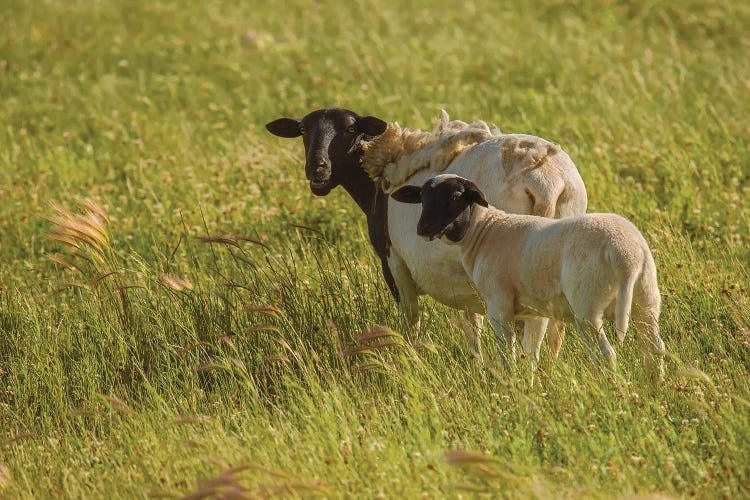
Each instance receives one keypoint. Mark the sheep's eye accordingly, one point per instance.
(301, 129)
(351, 129)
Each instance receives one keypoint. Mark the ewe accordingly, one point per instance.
(582, 268)
(369, 158)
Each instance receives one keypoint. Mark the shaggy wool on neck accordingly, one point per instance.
(397, 154)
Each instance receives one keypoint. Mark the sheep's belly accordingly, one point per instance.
(437, 271)
(447, 282)
(556, 307)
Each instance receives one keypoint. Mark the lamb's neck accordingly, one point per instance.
(482, 220)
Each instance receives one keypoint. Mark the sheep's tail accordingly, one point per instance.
(623, 305)
(546, 204)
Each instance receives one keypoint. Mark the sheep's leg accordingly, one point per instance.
(592, 331)
(408, 300)
(502, 322)
(505, 334)
(555, 336)
(533, 334)
(472, 325)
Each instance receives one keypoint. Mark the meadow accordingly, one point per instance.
(180, 316)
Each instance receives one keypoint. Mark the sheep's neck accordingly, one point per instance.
(363, 190)
(374, 203)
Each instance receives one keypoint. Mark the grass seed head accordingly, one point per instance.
(175, 283)
(84, 236)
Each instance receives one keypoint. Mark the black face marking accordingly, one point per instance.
(332, 139)
(446, 206)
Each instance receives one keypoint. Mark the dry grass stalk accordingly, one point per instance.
(191, 419)
(17, 438)
(292, 488)
(306, 228)
(101, 276)
(231, 239)
(695, 373)
(487, 466)
(185, 350)
(369, 348)
(266, 309)
(226, 485)
(378, 332)
(264, 327)
(276, 357)
(463, 458)
(176, 283)
(388, 336)
(371, 366)
(5, 476)
(118, 404)
(429, 346)
(61, 260)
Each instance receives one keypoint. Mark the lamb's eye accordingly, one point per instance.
(301, 129)
(351, 129)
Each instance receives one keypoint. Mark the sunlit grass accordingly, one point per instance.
(180, 316)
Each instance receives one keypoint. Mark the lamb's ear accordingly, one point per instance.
(371, 126)
(284, 127)
(473, 194)
(408, 194)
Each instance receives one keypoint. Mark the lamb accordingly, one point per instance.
(582, 268)
(369, 158)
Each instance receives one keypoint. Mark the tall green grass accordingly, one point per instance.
(231, 334)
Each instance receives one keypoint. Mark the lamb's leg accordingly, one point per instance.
(408, 297)
(501, 318)
(592, 331)
(472, 326)
(647, 323)
(533, 334)
(555, 336)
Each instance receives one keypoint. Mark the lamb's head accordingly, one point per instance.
(447, 202)
(332, 139)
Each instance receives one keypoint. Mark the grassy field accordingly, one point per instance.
(138, 360)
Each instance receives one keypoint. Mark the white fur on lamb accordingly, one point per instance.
(584, 268)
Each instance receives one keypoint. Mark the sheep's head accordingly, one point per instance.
(332, 139)
(446, 206)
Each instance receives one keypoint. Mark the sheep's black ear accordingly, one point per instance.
(408, 194)
(371, 126)
(474, 194)
(284, 127)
